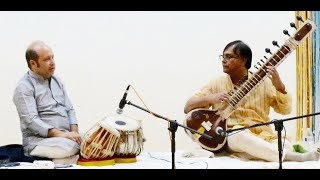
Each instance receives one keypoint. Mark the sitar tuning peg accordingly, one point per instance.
(261, 60)
(286, 32)
(255, 66)
(259, 63)
(265, 57)
(299, 18)
(268, 51)
(250, 72)
(275, 43)
(293, 25)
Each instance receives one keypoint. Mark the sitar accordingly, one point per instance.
(213, 122)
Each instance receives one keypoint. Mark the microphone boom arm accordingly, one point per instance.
(171, 121)
(173, 128)
(278, 123)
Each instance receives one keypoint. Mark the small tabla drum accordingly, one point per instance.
(99, 145)
(131, 138)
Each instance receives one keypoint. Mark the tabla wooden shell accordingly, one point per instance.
(100, 141)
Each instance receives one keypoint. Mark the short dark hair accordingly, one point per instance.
(31, 55)
(242, 50)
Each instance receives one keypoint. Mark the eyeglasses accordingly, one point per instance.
(227, 57)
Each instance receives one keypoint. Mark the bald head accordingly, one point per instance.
(40, 59)
(32, 52)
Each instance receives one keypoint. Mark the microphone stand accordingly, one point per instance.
(172, 128)
(278, 124)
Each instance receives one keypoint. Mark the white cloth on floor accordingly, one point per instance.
(198, 152)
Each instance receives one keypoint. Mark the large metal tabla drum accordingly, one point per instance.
(99, 145)
(131, 138)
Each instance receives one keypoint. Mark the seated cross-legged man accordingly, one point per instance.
(47, 118)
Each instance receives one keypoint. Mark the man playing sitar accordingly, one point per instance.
(235, 100)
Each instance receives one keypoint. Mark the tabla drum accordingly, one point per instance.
(99, 145)
(131, 138)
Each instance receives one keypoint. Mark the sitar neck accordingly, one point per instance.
(237, 95)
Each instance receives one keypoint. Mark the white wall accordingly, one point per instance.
(166, 56)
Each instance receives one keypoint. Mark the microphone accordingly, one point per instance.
(220, 131)
(123, 101)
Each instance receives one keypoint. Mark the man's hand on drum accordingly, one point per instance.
(73, 136)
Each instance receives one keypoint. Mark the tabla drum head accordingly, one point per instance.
(110, 128)
(122, 123)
